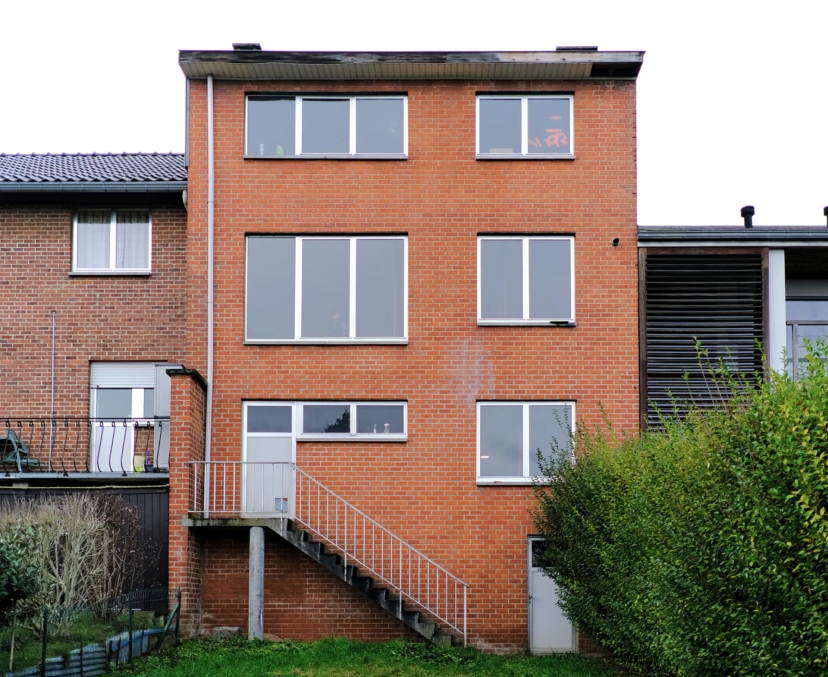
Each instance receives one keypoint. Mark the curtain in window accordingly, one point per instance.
(132, 239)
(93, 238)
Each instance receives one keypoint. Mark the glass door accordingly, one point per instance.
(269, 454)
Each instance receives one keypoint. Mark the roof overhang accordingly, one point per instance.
(92, 186)
(732, 236)
(557, 65)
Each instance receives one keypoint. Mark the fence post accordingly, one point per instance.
(178, 614)
(44, 640)
(81, 660)
(129, 651)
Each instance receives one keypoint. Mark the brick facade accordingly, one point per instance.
(424, 490)
(107, 318)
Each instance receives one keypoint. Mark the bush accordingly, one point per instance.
(20, 576)
(702, 548)
(75, 549)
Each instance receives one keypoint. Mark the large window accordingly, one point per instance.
(509, 435)
(525, 280)
(112, 241)
(533, 126)
(327, 126)
(327, 289)
(807, 319)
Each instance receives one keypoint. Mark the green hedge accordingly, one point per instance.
(701, 549)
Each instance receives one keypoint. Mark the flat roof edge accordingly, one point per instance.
(563, 64)
(733, 236)
(92, 187)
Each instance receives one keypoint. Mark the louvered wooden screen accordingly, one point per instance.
(716, 299)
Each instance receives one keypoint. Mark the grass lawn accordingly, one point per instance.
(344, 658)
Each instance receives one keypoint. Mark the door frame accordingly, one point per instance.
(292, 435)
(531, 539)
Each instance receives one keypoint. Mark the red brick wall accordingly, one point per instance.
(302, 599)
(425, 490)
(97, 317)
(186, 559)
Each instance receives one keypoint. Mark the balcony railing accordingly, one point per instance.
(84, 445)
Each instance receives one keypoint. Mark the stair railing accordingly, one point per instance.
(256, 489)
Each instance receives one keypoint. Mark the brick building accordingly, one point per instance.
(423, 268)
(94, 252)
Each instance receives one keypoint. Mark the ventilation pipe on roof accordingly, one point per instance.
(825, 212)
(247, 47)
(211, 190)
(747, 215)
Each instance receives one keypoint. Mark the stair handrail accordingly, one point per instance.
(297, 503)
(410, 549)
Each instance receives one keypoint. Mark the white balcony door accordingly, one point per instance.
(549, 630)
(122, 408)
(117, 412)
(269, 451)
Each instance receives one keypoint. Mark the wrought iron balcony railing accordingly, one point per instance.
(84, 445)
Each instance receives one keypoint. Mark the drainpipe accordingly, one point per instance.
(211, 186)
(52, 406)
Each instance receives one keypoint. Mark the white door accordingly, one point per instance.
(269, 452)
(549, 630)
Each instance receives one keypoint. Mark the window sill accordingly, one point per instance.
(327, 342)
(331, 156)
(516, 156)
(378, 437)
(511, 481)
(526, 323)
(110, 273)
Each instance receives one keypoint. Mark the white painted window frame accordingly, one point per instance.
(352, 150)
(113, 224)
(526, 320)
(352, 339)
(524, 153)
(526, 478)
(353, 436)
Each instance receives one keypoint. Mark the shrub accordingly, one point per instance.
(20, 576)
(83, 547)
(701, 548)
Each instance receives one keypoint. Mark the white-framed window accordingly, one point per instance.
(326, 126)
(525, 280)
(115, 241)
(377, 421)
(528, 126)
(509, 435)
(309, 289)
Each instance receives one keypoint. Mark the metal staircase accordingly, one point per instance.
(390, 572)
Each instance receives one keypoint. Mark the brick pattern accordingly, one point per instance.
(424, 490)
(302, 599)
(97, 317)
(188, 400)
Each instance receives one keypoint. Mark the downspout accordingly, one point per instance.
(211, 186)
(52, 405)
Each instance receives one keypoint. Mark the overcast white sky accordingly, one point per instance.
(732, 98)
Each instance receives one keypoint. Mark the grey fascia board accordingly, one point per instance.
(733, 236)
(267, 65)
(93, 186)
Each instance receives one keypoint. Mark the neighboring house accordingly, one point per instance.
(749, 296)
(406, 273)
(93, 296)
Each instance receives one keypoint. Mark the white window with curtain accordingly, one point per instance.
(112, 241)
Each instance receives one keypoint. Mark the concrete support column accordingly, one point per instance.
(255, 603)
(776, 310)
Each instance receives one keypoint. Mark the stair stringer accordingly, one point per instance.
(417, 620)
